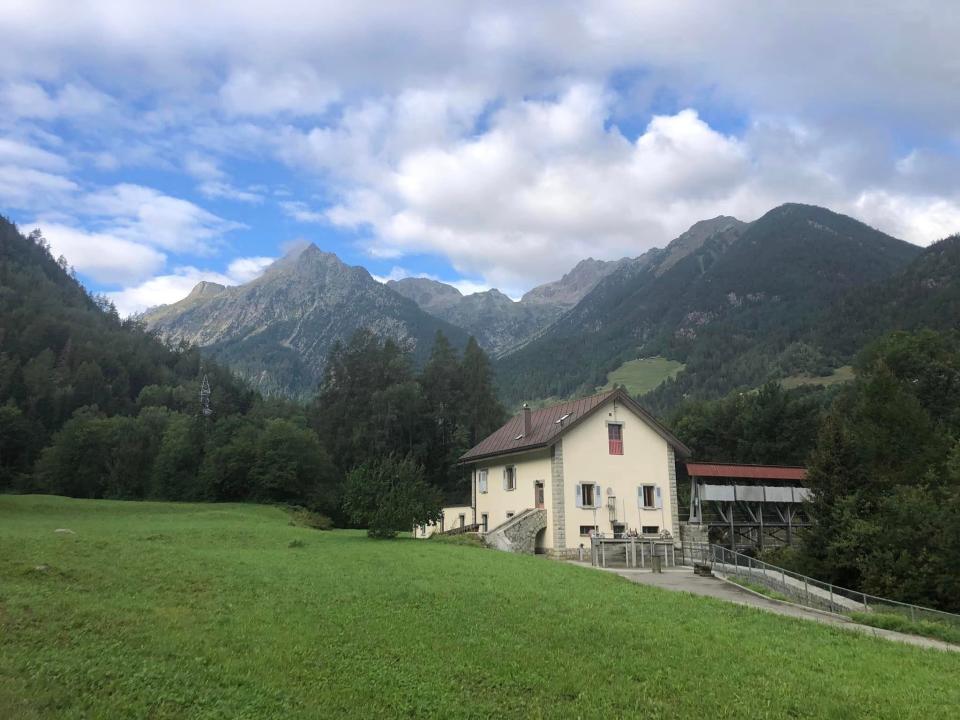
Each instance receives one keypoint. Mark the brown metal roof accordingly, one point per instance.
(757, 472)
(545, 427)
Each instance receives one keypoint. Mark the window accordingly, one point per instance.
(510, 477)
(648, 496)
(650, 529)
(589, 499)
(588, 495)
(463, 519)
(509, 514)
(482, 480)
(587, 530)
(615, 438)
(483, 521)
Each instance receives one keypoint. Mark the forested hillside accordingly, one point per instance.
(735, 309)
(95, 406)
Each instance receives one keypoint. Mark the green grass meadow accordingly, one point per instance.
(160, 610)
(643, 375)
(840, 375)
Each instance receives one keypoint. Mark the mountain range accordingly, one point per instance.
(277, 330)
(498, 323)
(797, 291)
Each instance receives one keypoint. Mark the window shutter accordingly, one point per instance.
(659, 498)
(597, 496)
(579, 495)
(504, 478)
(640, 497)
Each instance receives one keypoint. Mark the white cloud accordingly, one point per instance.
(28, 188)
(918, 219)
(102, 256)
(147, 216)
(548, 183)
(246, 269)
(503, 136)
(301, 212)
(14, 152)
(297, 91)
(216, 189)
(31, 100)
(214, 183)
(171, 287)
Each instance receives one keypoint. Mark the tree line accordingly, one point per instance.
(95, 406)
(883, 459)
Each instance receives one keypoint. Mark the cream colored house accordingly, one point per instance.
(550, 478)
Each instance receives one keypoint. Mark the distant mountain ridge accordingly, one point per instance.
(737, 303)
(497, 322)
(277, 330)
(708, 299)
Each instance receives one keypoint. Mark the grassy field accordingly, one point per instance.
(643, 375)
(153, 610)
(840, 375)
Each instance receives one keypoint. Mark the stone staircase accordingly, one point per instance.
(519, 533)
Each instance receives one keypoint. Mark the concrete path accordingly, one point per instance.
(683, 580)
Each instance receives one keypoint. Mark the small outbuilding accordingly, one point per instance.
(746, 506)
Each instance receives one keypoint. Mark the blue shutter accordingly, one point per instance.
(659, 498)
(579, 495)
(597, 496)
(640, 497)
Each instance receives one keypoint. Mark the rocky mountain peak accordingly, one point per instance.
(572, 287)
(205, 289)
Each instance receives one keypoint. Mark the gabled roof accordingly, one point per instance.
(546, 426)
(755, 472)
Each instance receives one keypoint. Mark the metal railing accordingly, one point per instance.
(802, 589)
(631, 552)
(462, 529)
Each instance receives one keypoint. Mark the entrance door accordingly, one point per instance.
(538, 494)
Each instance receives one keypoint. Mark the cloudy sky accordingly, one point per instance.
(487, 144)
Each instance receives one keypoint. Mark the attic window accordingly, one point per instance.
(519, 437)
(560, 421)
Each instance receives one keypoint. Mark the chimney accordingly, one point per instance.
(527, 423)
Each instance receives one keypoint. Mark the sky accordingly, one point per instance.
(489, 144)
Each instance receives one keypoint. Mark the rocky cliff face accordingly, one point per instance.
(498, 323)
(572, 287)
(277, 330)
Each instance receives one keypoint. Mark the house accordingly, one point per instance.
(550, 478)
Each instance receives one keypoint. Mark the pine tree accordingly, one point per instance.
(482, 412)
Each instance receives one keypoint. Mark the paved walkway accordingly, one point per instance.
(683, 580)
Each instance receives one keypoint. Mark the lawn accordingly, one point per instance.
(643, 375)
(155, 610)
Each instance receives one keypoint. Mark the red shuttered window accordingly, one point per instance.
(615, 438)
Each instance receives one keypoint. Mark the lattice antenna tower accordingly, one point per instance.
(205, 408)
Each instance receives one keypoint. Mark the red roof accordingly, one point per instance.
(545, 427)
(757, 472)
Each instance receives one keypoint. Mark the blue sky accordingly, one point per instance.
(486, 144)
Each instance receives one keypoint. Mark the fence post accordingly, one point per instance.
(865, 607)
(806, 590)
(913, 613)
(831, 596)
